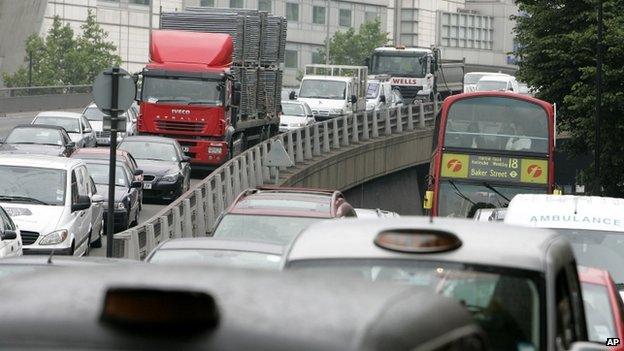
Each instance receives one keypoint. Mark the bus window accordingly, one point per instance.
(497, 123)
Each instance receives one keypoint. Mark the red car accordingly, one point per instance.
(277, 215)
(604, 310)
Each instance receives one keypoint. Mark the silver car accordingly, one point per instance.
(96, 118)
(75, 124)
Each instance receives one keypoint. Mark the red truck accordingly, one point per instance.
(198, 89)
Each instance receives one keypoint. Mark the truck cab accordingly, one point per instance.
(333, 91)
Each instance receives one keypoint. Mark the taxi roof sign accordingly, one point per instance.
(417, 241)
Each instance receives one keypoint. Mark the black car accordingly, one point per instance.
(38, 139)
(166, 170)
(127, 199)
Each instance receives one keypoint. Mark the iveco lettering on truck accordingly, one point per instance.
(210, 84)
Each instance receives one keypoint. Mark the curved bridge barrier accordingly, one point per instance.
(44, 98)
(196, 211)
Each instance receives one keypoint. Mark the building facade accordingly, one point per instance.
(479, 30)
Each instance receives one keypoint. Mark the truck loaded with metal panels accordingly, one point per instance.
(214, 81)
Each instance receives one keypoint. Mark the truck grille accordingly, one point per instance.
(28, 238)
(179, 126)
(409, 92)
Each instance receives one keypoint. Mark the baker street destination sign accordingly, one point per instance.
(509, 169)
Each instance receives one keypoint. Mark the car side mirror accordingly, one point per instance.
(382, 98)
(353, 99)
(186, 158)
(96, 198)
(8, 235)
(136, 184)
(138, 172)
(71, 144)
(88, 130)
(292, 95)
(83, 203)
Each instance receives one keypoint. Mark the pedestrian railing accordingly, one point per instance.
(195, 212)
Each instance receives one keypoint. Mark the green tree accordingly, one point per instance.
(557, 55)
(62, 59)
(352, 48)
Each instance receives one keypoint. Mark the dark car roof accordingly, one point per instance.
(257, 310)
(221, 244)
(146, 138)
(290, 202)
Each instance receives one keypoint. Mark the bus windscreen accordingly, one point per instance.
(497, 123)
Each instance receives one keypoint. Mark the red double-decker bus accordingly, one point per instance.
(488, 147)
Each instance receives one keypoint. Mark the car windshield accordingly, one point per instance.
(462, 199)
(497, 123)
(145, 150)
(24, 184)
(599, 249)
(491, 85)
(94, 114)
(217, 258)
(99, 173)
(293, 110)
(399, 65)
(270, 229)
(323, 89)
(182, 90)
(473, 78)
(598, 311)
(40, 136)
(71, 125)
(507, 305)
(372, 90)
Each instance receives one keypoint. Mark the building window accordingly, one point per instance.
(140, 2)
(318, 15)
(265, 5)
(207, 3)
(237, 4)
(345, 18)
(464, 30)
(291, 58)
(317, 58)
(292, 12)
(370, 16)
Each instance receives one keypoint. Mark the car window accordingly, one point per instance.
(74, 187)
(44, 136)
(566, 331)
(85, 124)
(82, 177)
(7, 223)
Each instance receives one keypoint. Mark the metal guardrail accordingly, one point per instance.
(45, 90)
(195, 212)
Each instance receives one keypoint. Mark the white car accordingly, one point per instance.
(380, 94)
(472, 78)
(497, 83)
(96, 118)
(76, 125)
(295, 115)
(51, 200)
(10, 238)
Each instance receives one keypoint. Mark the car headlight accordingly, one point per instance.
(335, 111)
(56, 237)
(171, 178)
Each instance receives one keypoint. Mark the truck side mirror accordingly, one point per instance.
(292, 95)
(382, 98)
(353, 99)
(367, 62)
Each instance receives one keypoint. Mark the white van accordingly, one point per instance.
(472, 78)
(380, 94)
(594, 225)
(50, 199)
(497, 83)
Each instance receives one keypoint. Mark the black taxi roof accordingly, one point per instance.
(489, 244)
(257, 310)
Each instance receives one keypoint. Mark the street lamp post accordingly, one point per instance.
(599, 59)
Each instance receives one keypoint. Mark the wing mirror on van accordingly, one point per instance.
(292, 95)
(82, 203)
(8, 235)
(353, 99)
(382, 98)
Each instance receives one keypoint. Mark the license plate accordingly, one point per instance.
(185, 148)
(147, 185)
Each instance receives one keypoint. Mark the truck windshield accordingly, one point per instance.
(505, 303)
(497, 123)
(181, 90)
(323, 89)
(463, 199)
(399, 65)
